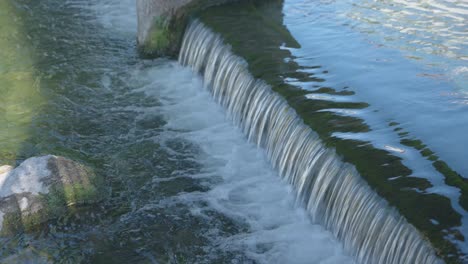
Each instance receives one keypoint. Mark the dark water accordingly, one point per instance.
(391, 101)
(183, 184)
(387, 87)
(408, 61)
(333, 192)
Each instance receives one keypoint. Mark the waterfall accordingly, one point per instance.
(331, 190)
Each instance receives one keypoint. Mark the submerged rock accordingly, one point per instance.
(43, 188)
(27, 256)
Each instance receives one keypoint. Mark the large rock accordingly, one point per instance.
(161, 24)
(43, 188)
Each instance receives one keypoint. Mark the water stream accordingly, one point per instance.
(184, 184)
(323, 146)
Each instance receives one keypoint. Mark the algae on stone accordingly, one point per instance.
(60, 185)
(268, 60)
(161, 24)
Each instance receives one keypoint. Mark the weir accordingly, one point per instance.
(331, 190)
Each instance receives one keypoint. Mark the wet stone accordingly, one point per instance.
(41, 189)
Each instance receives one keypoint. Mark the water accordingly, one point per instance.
(408, 59)
(367, 97)
(326, 186)
(184, 184)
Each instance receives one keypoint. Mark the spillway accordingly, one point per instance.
(331, 190)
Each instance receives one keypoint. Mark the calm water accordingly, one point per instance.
(184, 184)
(409, 61)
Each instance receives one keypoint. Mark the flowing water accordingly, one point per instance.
(220, 168)
(325, 185)
(184, 184)
(383, 83)
(408, 59)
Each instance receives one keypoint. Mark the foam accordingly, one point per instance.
(250, 191)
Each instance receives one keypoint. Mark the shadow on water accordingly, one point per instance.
(256, 32)
(73, 96)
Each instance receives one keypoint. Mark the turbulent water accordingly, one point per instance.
(333, 192)
(218, 168)
(184, 184)
(408, 60)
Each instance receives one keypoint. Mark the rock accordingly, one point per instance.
(43, 188)
(161, 24)
(27, 256)
(4, 169)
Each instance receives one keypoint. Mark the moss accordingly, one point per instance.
(403, 134)
(164, 37)
(426, 152)
(328, 90)
(63, 198)
(16, 222)
(158, 39)
(12, 224)
(454, 179)
(64, 195)
(80, 194)
(414, 143)
(240, 24)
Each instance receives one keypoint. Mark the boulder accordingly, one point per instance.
(161, 24)
(43, 188)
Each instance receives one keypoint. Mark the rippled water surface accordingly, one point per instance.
(383, 82)
(408, 59)
(184, 185)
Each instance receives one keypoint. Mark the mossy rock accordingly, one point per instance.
(66, 185)
(166, 20)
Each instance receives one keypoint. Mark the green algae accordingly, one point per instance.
(255, 32)
(163, 38)
(159, 37)
(452, 178)
(71, 186)
(19, 86)
(61, 201)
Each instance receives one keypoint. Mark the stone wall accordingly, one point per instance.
(161, 24)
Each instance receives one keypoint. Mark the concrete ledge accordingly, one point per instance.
(161, 24)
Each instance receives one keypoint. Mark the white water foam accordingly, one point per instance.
(116, 16)
(333, 192)
(250, 191)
